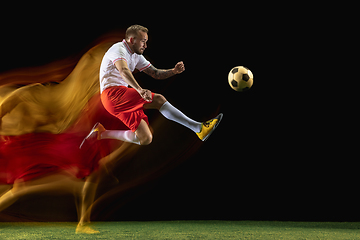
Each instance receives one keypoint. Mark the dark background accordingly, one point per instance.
(280, 152)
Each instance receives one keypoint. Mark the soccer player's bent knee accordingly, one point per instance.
(159, 100)
(146, 140)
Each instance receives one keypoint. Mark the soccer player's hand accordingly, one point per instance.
(179, 68)
(145, 94)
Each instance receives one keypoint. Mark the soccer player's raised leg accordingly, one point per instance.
(170, 112)
(203, 130)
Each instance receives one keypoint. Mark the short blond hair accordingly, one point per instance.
(133, 30)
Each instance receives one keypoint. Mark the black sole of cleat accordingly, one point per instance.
(91, 132)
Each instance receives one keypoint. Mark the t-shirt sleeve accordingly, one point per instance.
(117, 53)
(142, 63)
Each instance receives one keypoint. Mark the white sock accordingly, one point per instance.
(172, 113)
(125, 136)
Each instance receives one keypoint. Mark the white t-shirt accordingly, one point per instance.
(109, 75)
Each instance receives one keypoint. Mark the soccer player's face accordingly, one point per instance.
(140, 42)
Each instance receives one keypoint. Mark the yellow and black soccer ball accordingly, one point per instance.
(240, 78)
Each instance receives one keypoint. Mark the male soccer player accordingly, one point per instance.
(127, 104)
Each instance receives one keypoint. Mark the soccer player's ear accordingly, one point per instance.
(132, 40)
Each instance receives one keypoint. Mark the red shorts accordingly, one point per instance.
(126, 104)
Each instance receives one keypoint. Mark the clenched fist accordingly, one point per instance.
(179, 68)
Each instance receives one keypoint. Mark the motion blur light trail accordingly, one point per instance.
(45, 112)
(45, 121)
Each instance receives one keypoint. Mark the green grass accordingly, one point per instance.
(184, 230)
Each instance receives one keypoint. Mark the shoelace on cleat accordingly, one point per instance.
(207, 123)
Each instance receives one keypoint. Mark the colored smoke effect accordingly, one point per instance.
(46, 112)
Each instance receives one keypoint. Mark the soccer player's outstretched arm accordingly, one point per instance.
(127, 75)
(162, 73)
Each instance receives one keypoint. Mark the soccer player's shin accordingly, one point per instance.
(172, 113)
(125, 136)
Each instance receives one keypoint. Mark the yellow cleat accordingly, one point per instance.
(208, 127)
(95, 132)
